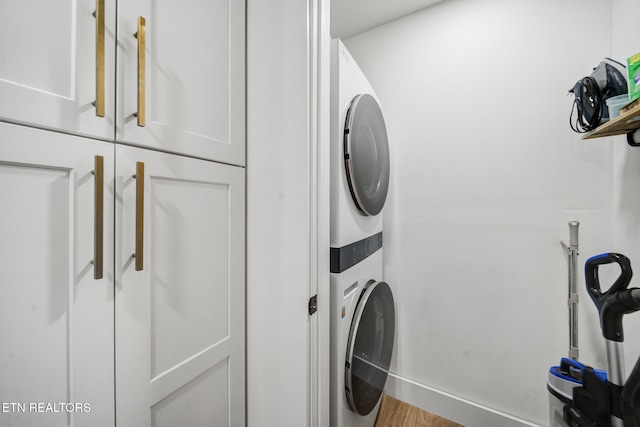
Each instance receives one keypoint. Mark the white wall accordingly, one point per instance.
(288, 80)
(278, 213)
(486, 174)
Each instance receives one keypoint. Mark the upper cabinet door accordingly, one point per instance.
(181, 77)
(56, 61)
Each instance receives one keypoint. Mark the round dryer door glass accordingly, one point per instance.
(366, 154)
(369, 347)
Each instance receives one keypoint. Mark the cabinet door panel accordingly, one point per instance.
(180, 321)
(48, 71)
(190, 280)
(204, 401)
(56, 320)
(195, 78)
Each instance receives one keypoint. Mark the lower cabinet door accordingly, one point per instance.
(56, 279)
(180, 328)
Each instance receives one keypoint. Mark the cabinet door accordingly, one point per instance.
(52, 68)
(56, 318)
(190, 90)
(180, 319)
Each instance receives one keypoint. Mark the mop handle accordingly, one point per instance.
(572, 252)
(573, 235)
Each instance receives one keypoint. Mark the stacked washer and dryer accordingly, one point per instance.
(362, 307)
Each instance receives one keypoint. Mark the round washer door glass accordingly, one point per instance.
(366, 154)
(369, 347)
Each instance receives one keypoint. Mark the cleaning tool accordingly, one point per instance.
(612, 306)
(562, 379)
(602, 402)
(572, 258)
(599, 398)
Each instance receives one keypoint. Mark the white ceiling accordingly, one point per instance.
(350, 17)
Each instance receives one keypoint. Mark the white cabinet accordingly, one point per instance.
(169, 332)
(55, 58)
(56, 319)
(179, 324)
(180, 314)
(189, 83)
(179, 82)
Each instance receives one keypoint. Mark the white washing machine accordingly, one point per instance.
(362, 307)
(362, 334)
(359, 153)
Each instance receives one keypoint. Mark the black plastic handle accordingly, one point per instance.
(615, 301)
(593, 280)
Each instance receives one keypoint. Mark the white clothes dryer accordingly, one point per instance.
(362, 307)
(359, 153)
(362, 336)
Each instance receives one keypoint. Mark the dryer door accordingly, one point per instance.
(369, 347)
(366, 154)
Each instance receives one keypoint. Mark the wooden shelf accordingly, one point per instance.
(626, 122)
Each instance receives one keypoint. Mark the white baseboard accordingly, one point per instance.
(446, 405)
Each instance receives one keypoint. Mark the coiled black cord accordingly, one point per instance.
(589, 91)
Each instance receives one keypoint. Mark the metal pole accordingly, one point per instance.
(572, 254)
(615, 371)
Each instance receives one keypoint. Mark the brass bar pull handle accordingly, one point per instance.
(99, 15)
(98, 209)
(142, 41)
(139, 254)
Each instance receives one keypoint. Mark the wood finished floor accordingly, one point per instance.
(394, 413)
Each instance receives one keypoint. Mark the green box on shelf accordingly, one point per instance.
(633, 70)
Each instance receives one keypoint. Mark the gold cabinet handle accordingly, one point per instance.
(142, 40)
(138, 255)
(98, 209)
(99, 15)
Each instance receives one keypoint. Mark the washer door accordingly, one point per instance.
(369, 347)
(366, 154)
